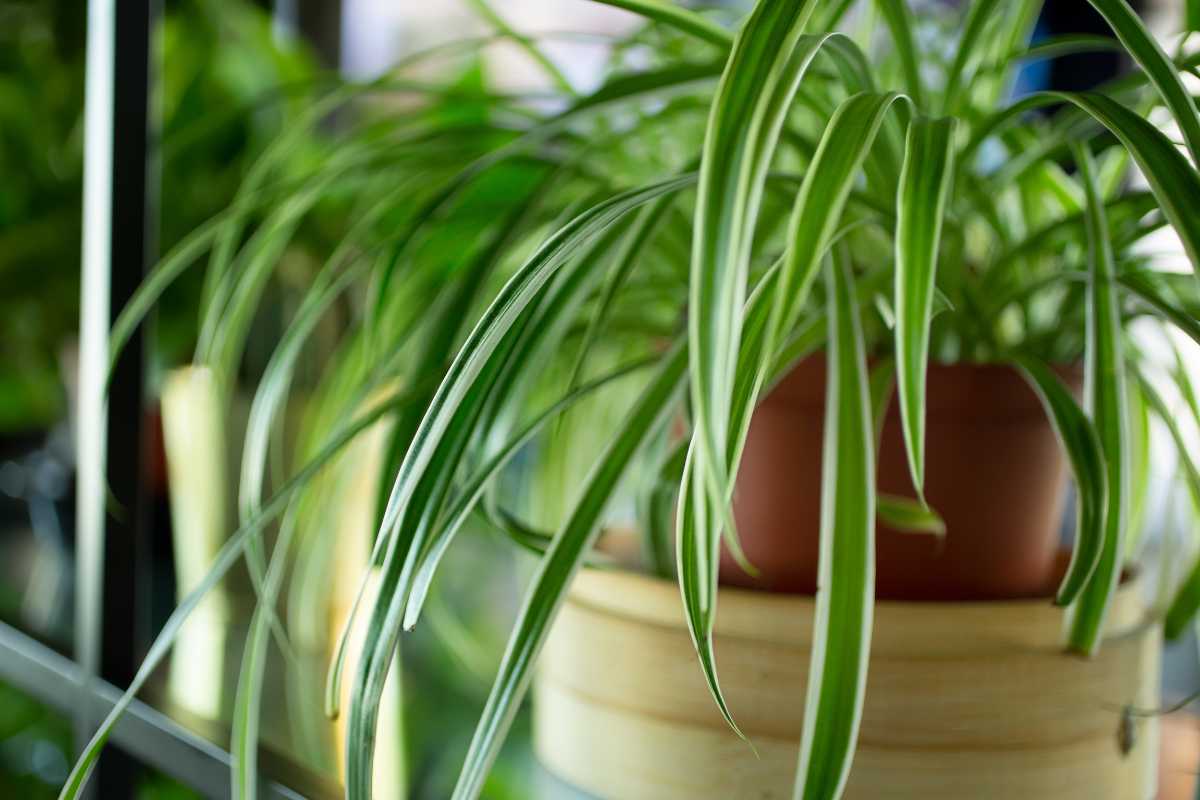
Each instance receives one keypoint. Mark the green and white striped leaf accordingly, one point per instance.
(763, 72)
(1106, 400)
(560, 564)
(428, 466)
(925, 183)
(226, 557)
(473, 487)
(908, 516)
(1148, 287)
(1172, 179)
(846, 571)
(1006, 261)
(1086, 455)
(248, 699)
(773, 309)
(1149, 55)
(817, 212)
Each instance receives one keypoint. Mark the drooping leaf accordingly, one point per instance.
(425, 473)
(273, 387)
(1174, 182)
(1148, 287)
(924, 187)
(1149, 55)
(846, 570)
(697, 567)
(247, 705)
(1086, 455)
(762, 74)
(518, 344)
(226, 557)
(560, 564)
(468, 495)
(774, 308)
(1105, 390)
(817, 211)
(908, 516)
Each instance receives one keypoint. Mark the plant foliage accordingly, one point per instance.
(729, 200)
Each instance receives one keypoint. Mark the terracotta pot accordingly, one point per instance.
(994, 471)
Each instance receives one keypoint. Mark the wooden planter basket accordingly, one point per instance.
(973, 700)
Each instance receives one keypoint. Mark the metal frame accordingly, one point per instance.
(148, 736)
(112, 623)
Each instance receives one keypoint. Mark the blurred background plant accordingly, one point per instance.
(231, 84)
(41, 107)
(228, 87)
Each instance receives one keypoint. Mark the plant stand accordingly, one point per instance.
(963, 700)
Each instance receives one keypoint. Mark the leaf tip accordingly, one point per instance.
(741, 559)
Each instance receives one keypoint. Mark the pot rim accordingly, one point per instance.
(899, 626)
(990, 392)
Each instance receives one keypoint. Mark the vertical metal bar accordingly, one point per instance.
(113, 605)
(126, 607)
(284, 19)
(91, 419)
(320, 23)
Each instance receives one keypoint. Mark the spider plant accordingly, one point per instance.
(734, 196)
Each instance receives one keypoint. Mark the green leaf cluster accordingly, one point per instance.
(727, 201)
